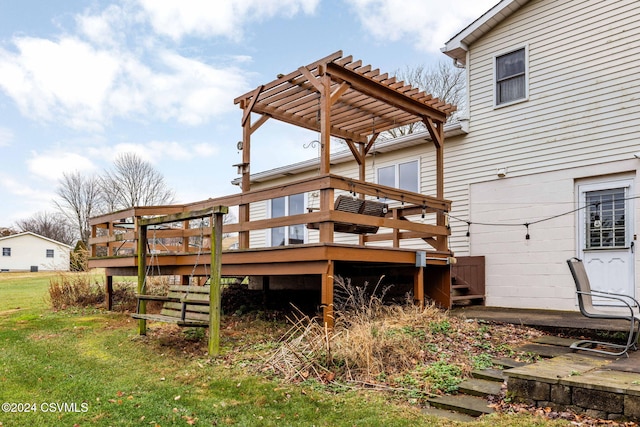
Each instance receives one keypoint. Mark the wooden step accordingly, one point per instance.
(458, 281)
(489, 375)
(471, 405)
(481, 388)
(467, 297)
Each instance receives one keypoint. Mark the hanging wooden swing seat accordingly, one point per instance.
(183, 305)
(358, 206)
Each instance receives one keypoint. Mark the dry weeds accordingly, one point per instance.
(389, 345)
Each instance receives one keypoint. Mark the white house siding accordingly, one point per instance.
(582, 112)
(29, 250)
(532, 273)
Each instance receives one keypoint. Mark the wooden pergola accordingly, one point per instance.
(337, 96)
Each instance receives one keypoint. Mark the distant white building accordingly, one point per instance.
(31, 252)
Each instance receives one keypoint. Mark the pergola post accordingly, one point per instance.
(436, 130)
(243, 210)
(326, 195)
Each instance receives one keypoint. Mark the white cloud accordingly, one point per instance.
(52, 165)
(84, 87)
(27, 199)
(224, 18)
(205, 150)
(66, 79)
(5, 137)
(155, 151)
(428, 24)
(192, 91)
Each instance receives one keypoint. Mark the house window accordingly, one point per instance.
(49, 253)
(404, 176)
(284, 206)
(6, 251)
(511, 77)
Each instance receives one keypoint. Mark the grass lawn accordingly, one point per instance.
(81, 367)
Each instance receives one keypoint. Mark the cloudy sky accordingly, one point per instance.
(82, 81)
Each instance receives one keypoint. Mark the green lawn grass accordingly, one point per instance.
(93, 362)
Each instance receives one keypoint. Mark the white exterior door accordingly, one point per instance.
(606, 235)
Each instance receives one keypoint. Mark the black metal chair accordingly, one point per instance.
(585, 301)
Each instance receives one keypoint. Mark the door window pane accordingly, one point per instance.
(606, 221)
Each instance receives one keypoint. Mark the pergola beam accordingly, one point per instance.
(382, 92)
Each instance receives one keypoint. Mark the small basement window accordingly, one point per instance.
(6, 251)
(49, 253)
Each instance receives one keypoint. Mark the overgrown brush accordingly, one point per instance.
(83, 290)
(403, 347)
(74, 290)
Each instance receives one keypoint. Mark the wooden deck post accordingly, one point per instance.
(216, 268)
(418, 287)
(142, 276)
(109, 292)
(327, 295)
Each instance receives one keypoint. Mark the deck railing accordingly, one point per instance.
(410, 216)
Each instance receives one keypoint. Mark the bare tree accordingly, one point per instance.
(53, 225)
(443, 81)
(133, 182)
(80, 200)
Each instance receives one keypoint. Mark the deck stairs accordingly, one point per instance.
(472, 399)
(462, 293)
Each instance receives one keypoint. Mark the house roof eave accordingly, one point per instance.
(13, 236)
(457, 46)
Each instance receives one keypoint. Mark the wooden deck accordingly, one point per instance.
(339, 98)
(313, 261)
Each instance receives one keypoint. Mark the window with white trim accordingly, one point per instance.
(49, 253)
(405, 176)
(511, 77)
(285, 206)
(6, 251)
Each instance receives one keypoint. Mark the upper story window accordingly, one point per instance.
(6, 251)
(284, 206)
(49, 253)
(511, 77)
(402, 175)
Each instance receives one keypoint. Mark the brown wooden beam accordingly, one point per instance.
(327, 295)
(383, 92)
